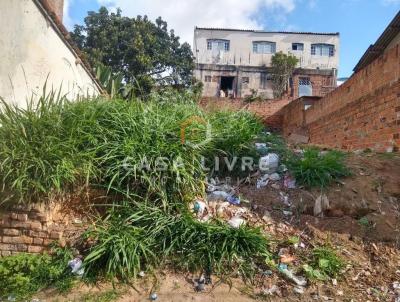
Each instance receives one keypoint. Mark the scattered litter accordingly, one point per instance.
(153, 297)
(282, 266)
(233, 199)
(217, 195)
(274, 177)
(334, 282)
(292, 277)
(262, 181)
(199, 207)
(11, 298)
(141, 274)
(321, 205)
(236, 222)
(76, 266)
(289, 182)
(269, 162)
(285, 199)
(340, 293)
(271, 290)
(298, 290)
(287, 213)
(287, 258)
(261, 148)
(282, 168)
(200, 284)
(300, 244)
(267, 273)
(77, 221)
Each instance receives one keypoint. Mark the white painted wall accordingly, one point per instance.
(241, 48)
(31, 51)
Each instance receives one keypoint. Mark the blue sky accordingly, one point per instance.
(360, 22)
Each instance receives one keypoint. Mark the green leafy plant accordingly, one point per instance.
(318, 169)
(282, 66)
(23, 274)
(324, 263)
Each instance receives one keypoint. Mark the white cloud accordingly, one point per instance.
(184, 15)
(67, 20)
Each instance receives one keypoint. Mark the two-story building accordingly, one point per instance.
(234, 62)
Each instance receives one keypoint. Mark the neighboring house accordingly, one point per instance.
(36, 49)
(238, 61)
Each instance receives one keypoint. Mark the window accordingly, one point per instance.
(264, 78)
(264, 47)
(327, 50)
(207, 78)
(245, 80)
(305, 86)
(218, 45)
(298, 46)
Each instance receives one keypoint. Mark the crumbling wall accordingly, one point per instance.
(32, 228)
(362, 113)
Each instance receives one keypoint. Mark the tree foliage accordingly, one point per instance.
(283, 66)
(142, 51)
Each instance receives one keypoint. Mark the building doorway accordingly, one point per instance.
(226, 87)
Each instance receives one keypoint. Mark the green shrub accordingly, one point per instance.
(324, 263)
(22, 275)
(138, 238)
(316, 169)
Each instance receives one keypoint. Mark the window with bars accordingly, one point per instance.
(305, 86)
(298, 46)
(245, 80)
(327, 50)
(207, 78)
(213, 44)
(264, 47)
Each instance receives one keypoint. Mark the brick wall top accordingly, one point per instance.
(384, 70)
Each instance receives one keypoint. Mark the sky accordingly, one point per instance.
(359, 22)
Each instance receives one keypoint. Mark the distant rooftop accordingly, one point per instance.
(269, 32)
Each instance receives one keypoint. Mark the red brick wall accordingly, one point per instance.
(362, 113)
(268, 110)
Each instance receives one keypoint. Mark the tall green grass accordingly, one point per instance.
(57, 146)
(318, 169)
(135, 238)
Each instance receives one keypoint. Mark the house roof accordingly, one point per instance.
(63, 33)
(269, 32)
(376, 49)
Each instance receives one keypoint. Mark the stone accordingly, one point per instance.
(35, 249)
(22, 217)
(38, 241)
(11, 232)
(55, 235)
(36, 225)
(19, 239)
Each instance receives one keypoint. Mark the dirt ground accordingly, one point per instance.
(362, 224)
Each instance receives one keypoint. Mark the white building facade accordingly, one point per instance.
(238, 61)
(35, 51)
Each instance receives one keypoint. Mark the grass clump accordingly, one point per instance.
(132, 239)
(318, 169)
(22, 275)
(324, 264)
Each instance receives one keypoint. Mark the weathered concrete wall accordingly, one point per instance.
(241, 48)
(362, 113)
(32, 52)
